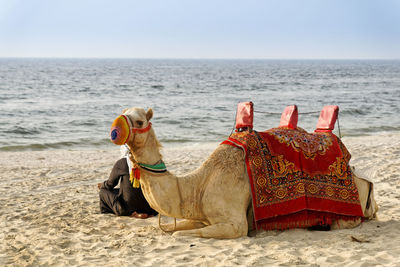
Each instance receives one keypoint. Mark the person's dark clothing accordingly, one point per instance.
(127, 199)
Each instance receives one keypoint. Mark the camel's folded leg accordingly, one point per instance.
(342, 224)
(182, 225)
(219, 230)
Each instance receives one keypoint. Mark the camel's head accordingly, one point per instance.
(132, 127)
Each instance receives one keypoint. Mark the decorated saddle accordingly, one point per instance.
(297, 179)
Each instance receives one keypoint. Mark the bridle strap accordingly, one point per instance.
(141, 130)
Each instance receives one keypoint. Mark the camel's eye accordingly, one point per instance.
(139, 124)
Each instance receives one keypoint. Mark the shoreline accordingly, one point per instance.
(51, 216)
(106, 145)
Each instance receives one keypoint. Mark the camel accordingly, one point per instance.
(214, 199)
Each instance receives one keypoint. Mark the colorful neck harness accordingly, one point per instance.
(159, 167)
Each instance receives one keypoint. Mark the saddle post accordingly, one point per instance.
(338, 125)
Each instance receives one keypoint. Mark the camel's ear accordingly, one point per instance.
(149, 114)
(125, 109)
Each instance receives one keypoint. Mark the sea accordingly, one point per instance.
(71, 103)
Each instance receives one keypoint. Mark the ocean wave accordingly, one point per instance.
(86, 144)
(37, 147)
(84, 122)
(355, 111)
(22, 131)
(370, 130)
(169, 121)
(158, 86)
(78, 144)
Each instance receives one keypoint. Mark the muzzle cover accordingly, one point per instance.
(120, 130)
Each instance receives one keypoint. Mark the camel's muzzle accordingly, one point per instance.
(121, 130)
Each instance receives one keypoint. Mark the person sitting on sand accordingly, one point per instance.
(127, 200)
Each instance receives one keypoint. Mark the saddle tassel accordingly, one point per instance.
(135, 177)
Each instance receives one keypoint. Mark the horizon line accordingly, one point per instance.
(189, 58)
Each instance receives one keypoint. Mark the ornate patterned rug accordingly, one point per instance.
(298, 179)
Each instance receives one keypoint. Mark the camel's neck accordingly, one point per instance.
(160, 189)
(147, 151)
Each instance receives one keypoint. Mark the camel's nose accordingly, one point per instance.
(114, 135)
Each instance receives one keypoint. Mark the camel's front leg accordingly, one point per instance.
(219, 230)
(182, 225)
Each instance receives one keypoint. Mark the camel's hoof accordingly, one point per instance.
(182, 234)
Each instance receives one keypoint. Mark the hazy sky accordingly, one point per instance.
(200, 29)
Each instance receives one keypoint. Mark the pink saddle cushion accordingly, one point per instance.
(289, 117)
(327, 119)
(244, 115)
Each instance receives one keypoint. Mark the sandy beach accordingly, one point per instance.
(50, 216)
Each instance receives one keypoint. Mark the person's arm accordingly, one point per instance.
(115, 175)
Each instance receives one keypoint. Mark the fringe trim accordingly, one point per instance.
(302, 219)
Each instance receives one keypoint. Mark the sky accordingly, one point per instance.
(254, 29)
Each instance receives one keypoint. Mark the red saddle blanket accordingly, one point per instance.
(298, 179)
